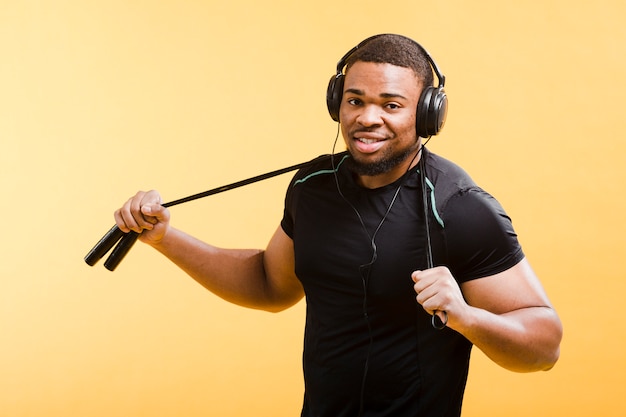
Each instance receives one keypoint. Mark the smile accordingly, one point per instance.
(367, 141)
(368, 145)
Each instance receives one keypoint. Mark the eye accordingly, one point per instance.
(393, 106)
(354, 101)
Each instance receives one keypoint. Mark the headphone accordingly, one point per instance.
(432, 106)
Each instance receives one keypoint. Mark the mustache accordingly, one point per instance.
(366, 129)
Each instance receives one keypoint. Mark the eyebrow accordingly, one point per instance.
(358, 92)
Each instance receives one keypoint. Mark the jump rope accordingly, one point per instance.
(122, 242)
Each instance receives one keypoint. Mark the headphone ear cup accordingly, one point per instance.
(439, 106)
(421, 124)
(431, 111)
(333, 95)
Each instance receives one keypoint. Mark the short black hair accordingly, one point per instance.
(395, 50)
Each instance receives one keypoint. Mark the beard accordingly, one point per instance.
(385, 164)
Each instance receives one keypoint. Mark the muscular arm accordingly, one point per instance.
(262, 279)
(508, 315)
(510, 319)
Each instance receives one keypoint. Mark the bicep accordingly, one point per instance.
(520, 331)
(279, 264)
(513, 289)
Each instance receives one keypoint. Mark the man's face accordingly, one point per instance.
(377, 115)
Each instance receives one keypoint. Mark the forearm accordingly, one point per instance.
(524, 340)
(236, 275)
(263, 279)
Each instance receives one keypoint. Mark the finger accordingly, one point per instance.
(151, 197)
(426, 299)
(119, 221)
(135, 209)
(422, 280)
(131, 213)
(143, 205)
(124, 219)
(428, 294)
(155, 213)
(129, 216)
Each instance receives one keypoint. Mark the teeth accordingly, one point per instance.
(366, 141)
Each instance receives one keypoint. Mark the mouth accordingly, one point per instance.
(368, 143)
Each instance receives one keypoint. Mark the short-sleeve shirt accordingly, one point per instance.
(368, 344)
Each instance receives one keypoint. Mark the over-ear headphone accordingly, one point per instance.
(432, 106)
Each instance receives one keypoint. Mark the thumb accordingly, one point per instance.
(155, 210)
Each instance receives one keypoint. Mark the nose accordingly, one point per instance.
(370, 115)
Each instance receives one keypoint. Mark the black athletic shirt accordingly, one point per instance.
(368, 344)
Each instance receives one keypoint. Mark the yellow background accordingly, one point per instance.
(99, 99)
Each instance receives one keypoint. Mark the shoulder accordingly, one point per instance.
(316, 178)
(456, 195)
(479, 235)
(322, 166)
(446, 178)
(444, 181)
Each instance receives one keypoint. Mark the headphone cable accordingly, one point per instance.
(365, 274)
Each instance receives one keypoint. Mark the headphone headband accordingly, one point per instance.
(441, 79)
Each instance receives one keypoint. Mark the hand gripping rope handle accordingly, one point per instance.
(126, 240)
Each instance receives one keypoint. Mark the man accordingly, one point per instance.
(405, 263)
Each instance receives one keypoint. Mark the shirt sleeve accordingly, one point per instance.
(479, 236)
(289, 211)
(287, 221)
